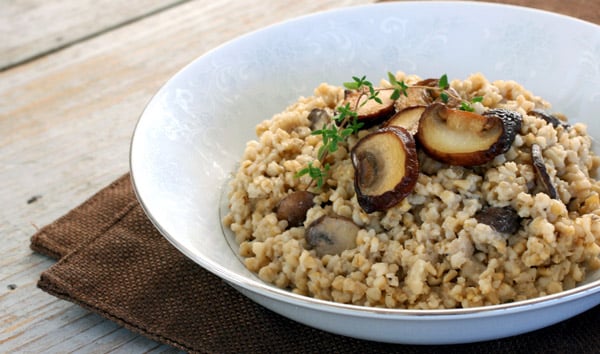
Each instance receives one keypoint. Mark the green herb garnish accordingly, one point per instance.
(399, 87)
(444, 97)
(357, 83)
(466, 105)
(443, 82)
(345, 120)
(317, 174)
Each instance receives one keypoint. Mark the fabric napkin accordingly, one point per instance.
(115, 263)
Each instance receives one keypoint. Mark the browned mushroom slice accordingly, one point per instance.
(549, 118)
(369, 111)
(386, 168)
(505, 220)
(511, 122)
(415, 96)
(543, 177)
(331, 235)
(318, 118)
(431, 82)
(452, 97)
(461, 138)
(293, 207)
(407, 118)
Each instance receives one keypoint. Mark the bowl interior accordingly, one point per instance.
(193, 132)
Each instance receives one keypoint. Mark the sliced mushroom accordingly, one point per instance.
(293, 207)
(415, 96)
(511, 121)
(505, 220)
(431, 82)
(549, 118)
(386, 168)
(453, 98)
(318, 118)
(331, 235)
(462, 138)
(435, 92)
(539, 166)
(407, 118)
(370, 111)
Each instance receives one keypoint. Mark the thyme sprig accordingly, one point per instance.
(400, 88)
(445, 95)
(466, 105)
(344, 124)
(315, 173)
(345, 120)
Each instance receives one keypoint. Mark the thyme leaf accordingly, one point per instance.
(443, 82)
(444, 96)
(317, 174)
(467, 105)
(399, 87)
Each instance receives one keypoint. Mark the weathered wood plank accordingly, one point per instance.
(119, 338)
(76, 320)
(582, 9)
(140, 344)
(30, 28)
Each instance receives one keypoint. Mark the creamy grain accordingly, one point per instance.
(428, 252)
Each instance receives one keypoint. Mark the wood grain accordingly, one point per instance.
(583, 9)
(31, 28)
(587, 10)
(66, 120)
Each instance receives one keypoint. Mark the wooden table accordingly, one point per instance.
(74, 77)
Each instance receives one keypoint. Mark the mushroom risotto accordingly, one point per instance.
(413, 193)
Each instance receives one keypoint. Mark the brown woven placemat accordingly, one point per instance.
(115, 263)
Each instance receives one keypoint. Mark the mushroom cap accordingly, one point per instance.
(511, 121)
(318, 118)
(549, 118)
(408, 118)
(331, 235)
(415, 96)
(502, 219)
(369, 111)
(386, 168)
(293, 207)
(462, 138)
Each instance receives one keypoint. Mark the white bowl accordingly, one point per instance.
(193, 132)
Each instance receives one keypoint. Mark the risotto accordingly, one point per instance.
(384, 214)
